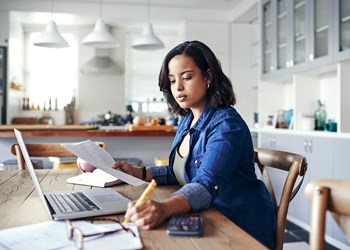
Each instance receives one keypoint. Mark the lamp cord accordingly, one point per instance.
(148, 11)
(100, 8)
(51, 10)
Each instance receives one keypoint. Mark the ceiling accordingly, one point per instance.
(132, 13)
(193, 4)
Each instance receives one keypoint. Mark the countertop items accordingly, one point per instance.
(41, 130)
(46, 127)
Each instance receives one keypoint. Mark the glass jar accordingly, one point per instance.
(320, 117)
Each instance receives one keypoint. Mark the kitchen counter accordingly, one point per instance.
(6, 131)
(121, 143)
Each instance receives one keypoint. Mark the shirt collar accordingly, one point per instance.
(202, 121)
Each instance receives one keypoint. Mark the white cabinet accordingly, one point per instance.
(327, 157)
(295, 33)
(300, 92)
(341, 170)
(319, 155)
(342, 27)
(307, 64)
(280, 142)
(273, 140)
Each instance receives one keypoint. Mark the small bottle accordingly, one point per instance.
(320, 116)
(56, 103)
(24, 103)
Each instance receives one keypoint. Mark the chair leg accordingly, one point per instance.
(318, 219)
(20, 159)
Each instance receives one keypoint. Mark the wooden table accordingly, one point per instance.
(20, 205)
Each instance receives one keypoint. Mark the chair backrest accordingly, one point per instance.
(295, 165)
(42, 150)
(331, 195)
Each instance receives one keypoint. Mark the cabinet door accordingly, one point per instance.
(278, 142)
(319, 155)
(282, 34)
(299, 42)
(341, 171)
(321, 32)
(268, 36)
(341, 10)
(274, 141)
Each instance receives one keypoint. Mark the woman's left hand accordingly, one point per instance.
(146, 215)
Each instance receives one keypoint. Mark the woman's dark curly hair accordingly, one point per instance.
(219, 94)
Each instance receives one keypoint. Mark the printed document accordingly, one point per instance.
(53, 235)
(100, 158)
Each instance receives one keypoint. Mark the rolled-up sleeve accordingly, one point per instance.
(159, 174)
(196, 194)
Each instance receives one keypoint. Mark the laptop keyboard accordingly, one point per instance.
(73, 202)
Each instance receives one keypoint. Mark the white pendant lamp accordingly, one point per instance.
(100, 37)
(51, 38)
(148, 40)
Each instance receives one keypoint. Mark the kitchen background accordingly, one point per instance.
(229, 27)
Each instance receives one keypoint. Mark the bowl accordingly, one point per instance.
(85, 166)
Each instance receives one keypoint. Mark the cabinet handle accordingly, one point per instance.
(289, 63)
(306, 146)
(310, 146)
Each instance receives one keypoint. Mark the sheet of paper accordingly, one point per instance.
(100, 158)
(53, 235)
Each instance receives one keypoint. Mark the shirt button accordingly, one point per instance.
(196, 161)
(216, 187)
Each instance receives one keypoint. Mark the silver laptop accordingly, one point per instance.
(75, 204)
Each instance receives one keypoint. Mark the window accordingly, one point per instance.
(141, 74)
(51, 75)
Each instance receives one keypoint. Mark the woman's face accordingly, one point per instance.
(187, 83)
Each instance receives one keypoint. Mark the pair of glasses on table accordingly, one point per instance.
(77, 235)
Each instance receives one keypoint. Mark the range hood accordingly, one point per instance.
(101, 63)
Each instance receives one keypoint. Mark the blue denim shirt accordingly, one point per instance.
(219, 172)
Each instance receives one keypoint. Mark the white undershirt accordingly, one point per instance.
(178, 167)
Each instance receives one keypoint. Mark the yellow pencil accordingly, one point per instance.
(145, 195)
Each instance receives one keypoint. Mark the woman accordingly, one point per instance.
(212, 152)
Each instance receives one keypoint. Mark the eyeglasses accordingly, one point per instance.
(78, 236)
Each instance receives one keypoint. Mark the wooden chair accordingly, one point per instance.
(295, 165)
(43, 150)
(328, 195)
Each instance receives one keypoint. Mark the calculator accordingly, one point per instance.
(187, 224)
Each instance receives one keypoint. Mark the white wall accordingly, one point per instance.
(243, 75)
(98, 94)
(215, 35)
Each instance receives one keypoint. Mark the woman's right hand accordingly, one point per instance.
(127, 168)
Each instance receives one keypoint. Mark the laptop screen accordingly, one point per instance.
(30, 168)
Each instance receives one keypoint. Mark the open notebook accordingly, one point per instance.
(97, 178)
